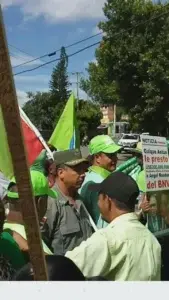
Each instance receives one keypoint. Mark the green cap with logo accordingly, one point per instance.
(103, 143)
(39, 184)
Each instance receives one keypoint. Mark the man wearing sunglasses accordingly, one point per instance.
(103, 159)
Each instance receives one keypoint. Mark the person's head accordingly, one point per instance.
(164, 204)
(51, 172)
(60, 268)
(70, 168)
(117, 195)
(137, 152)
(104, 152)
(153, 205)
(41, 192)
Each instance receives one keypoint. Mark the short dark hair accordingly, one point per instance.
(60, 268)
(61, 166)
(129, 207)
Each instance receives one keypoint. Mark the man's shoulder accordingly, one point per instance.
(92, 176)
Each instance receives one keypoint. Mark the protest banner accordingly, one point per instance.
(156, 162)
(10, 118)
(156, 166)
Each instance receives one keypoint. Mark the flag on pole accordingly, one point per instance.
(33, 146)
(36, 131)
(66, 135)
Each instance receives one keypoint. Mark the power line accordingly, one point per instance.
(58, 50)
(22, 51)
(85, 48)
(16, 55)
(57, 59)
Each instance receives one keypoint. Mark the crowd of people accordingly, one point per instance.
(89, 226)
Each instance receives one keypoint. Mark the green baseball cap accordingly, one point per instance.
(103, 143)
(39, 184)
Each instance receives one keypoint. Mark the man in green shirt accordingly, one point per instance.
(41, 191)
(103, 155)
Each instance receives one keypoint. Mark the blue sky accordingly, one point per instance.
(41, 26)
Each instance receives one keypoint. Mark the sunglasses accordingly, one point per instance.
(111, 155)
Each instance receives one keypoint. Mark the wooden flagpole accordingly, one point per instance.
(11, 116)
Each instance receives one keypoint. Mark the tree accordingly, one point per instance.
(44, 109)
(132, 66)
(59, 84)
(88, 117)
(38, 108)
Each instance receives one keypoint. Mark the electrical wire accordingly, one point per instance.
(57, 59)
(58, 50)
(85, 48)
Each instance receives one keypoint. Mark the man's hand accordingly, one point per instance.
(144, 205)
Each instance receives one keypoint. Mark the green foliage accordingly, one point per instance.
(88, 117)
(132, 66)
(44, 109)
(39, 110)
(59, 83)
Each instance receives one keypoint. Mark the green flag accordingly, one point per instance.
(6, 166)
(66, 135)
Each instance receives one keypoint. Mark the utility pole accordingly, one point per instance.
(77, 81)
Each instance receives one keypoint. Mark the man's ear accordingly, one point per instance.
(109, 202)
(60, 172)
(97, 157)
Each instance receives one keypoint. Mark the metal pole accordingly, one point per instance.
(77, 82)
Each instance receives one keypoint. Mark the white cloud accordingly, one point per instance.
(33, 79)
(22, 97)
(81, 30)
(17, 59)
(96, 30)
(59, 10)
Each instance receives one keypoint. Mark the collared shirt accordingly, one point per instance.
(90, 198)
(67, 225)
(124, 251)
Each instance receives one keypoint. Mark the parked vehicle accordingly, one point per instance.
(129, 141)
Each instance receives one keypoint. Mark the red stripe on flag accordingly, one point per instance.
(33, 144)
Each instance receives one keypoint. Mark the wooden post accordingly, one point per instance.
(11, 116)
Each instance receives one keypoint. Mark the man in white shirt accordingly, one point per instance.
(125, 250)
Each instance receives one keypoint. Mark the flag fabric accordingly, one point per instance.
(33, 146)
(66, 134)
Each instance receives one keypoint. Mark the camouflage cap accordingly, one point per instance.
(69, 157)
